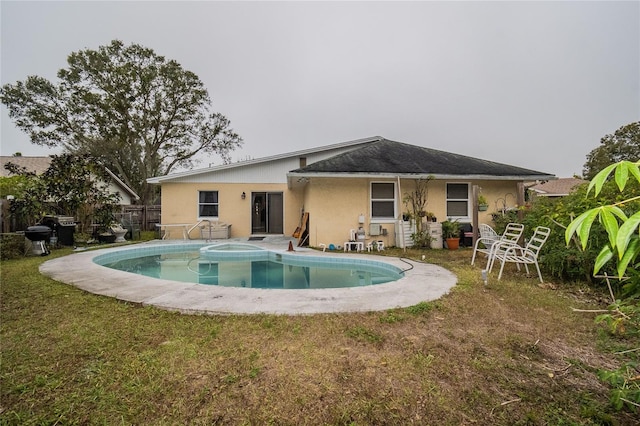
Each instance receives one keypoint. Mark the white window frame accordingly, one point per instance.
(467, 200)
(382, 219)
(209, 204)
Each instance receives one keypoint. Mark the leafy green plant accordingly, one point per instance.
(501, 219)
(623, 249)
(626, 385)
(421, 239)
(13, 185)
(621, 229)
(450, 229)
(482, 199)
(567, 262)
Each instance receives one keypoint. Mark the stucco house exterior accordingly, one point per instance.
(326, 192)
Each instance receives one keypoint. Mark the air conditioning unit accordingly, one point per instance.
(375, 229)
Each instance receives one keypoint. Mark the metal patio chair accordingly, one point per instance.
(527, 255)
(489, 237)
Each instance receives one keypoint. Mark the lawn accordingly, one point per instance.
(513, 352)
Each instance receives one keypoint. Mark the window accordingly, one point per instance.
(383, 201)
(208, 204)
(457, 200)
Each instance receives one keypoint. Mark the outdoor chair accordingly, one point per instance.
(489, 237)
(377, 245)
(131, 226)
(507, 252)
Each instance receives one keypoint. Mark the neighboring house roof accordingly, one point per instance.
(39, 165)
(556, 188)
(388, 158)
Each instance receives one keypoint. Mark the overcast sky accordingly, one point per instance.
(531, 84)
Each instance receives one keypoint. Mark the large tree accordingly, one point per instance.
(141, 114)
(623, 144)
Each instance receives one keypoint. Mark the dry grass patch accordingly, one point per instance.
(509, 353)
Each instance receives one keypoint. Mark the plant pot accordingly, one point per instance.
(453, 243)
(483, 207)
(107, 238)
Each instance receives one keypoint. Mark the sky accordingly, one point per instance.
(531, 84)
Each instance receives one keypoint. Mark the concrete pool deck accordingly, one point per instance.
(421, 282)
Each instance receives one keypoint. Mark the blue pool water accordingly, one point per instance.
(245, 265)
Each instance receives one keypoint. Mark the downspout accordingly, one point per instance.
(399, 224)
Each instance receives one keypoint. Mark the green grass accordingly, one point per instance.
(509, 353)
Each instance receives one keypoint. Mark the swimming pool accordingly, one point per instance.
(421, 283)
(250, 266)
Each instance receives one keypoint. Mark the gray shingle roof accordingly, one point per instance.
(37, 165)
(558, 187)
(389, 157)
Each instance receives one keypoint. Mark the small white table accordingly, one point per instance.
(167, 229)
(353, 245)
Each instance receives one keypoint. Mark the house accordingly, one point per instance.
(327, 192)
(555, 188)
(39, 165)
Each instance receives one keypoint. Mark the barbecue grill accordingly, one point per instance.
(39, 235)
(63, 226)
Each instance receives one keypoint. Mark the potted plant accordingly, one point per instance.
(482, 203)
(104, 217)
(451, 234)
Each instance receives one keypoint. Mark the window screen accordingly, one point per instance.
(457, 199)
(383, 200)
(208, 204)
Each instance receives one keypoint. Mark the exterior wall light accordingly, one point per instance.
(243, 196)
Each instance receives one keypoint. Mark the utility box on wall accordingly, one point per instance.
(434, 229)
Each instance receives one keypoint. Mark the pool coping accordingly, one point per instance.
(422, 282)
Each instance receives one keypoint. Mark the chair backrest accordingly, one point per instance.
(512, 232)
(487, 232)
(537, 240)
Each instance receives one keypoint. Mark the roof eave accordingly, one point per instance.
(123, 185)
(297, 176)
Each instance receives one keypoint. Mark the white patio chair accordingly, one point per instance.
(489, 237)
(528, 255)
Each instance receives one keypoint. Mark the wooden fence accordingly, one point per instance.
(143, 217)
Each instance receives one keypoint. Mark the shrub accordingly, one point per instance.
(11, 246)
(421, 239)
(569, 261)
